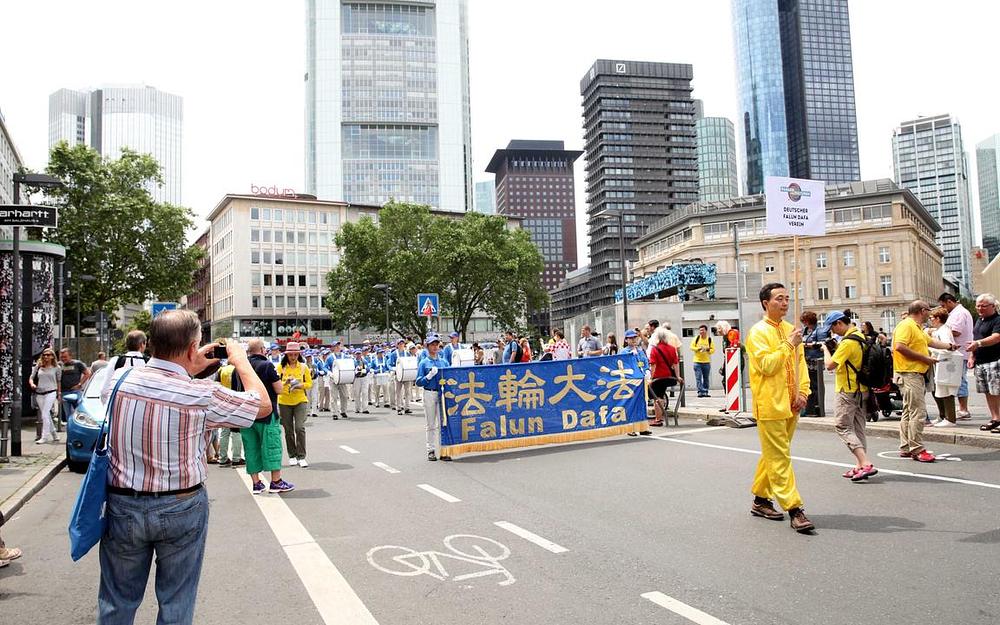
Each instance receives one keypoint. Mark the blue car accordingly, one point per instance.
(83, 426)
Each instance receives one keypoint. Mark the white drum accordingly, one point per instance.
(381, 379)
(343, 371)
(406, 369)
(463, 357)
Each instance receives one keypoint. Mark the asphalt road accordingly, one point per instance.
(608, 523)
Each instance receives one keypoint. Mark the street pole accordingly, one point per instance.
(62, 285)
(15, 414)
(740, 288)
(621, 255)
(387, 314)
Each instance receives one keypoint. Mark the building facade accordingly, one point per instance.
(988, 168)
(641, 157)
(109, 119)
(387, 102)
(10, 164)
(795, 78)
(486, 197)
(717, 177)
(200, 298)
(929, 159)
(570, 298)
(877, 256)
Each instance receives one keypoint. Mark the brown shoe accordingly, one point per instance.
(800, 522)
(766, 511)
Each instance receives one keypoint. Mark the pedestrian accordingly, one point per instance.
(985, 356)
(293, 404)
(703, 347)
(361, 382)
(852, 396)
(813, 336)
(74, 377)
(229, 436)
(525, 350)
(448, 351)
(868, 330)
(478, 355)
(961, 325)
(588, 346)
(100, 363)
(381, 371)
(779, 382)
(9, 553)
(910, 360)
(672, 338)
(45, 381)
(156, 502)
(944, 392)
(262, 440)
(338, 391)
(560, 348)
(632, 347)
(664, 373)
(429, 374)
(313, 393)
(611, 346)
(415, 394)
(134, 356)
(275, 355)
(511, 346)
(321, 383)
(402, 388)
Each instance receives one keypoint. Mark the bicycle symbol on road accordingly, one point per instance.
(483, 554)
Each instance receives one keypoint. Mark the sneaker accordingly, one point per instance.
(258, 488)
(939, 421)
(239, 463)
(226, 463)
(850, 473)
(944, 424)
(905, 454)
(281, 486)
(800, 522)
(646, 433)
(964, 414)
(631, 434)
(39, 441)
(407, 411)
(924, 456)
(9, 553)
(293, 462)
(399, 413)
(386, 406)
(336, 418)
(766, 511)
(446, 458)
(343, 415)
(431, 457)
(864, 473)
(365, 412)
(303, 463)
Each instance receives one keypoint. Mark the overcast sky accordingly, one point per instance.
(239, 65)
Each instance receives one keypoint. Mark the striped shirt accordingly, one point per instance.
(158, 426)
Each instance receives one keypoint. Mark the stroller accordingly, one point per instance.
(885, 401)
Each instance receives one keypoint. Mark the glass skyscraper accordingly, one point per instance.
(795, 79)
(988, 167)
(486, 197)
(717, 179)
(141, 118)
(387, 102)
(929, 159)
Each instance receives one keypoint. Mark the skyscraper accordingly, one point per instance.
(988, 167)
(108, 119)
(717, 178)
(929, 159)
(486, 197)
(639, 138)
(387, 102)
(795, 78)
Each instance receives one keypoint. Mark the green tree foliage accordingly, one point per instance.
(140, 321)
(474, 263)
(113, 230)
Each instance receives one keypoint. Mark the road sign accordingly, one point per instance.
(159, 307)
(35, 216)
(427, 304)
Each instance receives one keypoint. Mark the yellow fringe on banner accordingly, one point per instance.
(544, 439)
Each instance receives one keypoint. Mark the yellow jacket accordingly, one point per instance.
(697, 342)
(772, 379)
(300, 371)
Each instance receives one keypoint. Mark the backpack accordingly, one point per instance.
(876, 364)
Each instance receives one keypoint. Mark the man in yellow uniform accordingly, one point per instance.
(703, 348)
(779, 381)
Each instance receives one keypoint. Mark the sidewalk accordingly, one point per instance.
(25, 475)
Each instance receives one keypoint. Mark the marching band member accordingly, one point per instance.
(402, 388)
(448, 352)
(415, 393)
(338, 392)
(632, 347)
(323, 389)
(429, 373)
(362, 380)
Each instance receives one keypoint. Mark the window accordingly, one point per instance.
(821, 260)
(289, 236)
(267, 301)
(279, 280)
(883, 255)
(254, 235)
(769, 264)
(302, 302)
(313, 280)
(255, 302)
(291, 280)
(279, 257)
(848, 258)
(888, 320)
(301, 214)
(312, 238)
(254, 213)
(267, 257)
(312, 217)
(277, 214)
(302, 279)
(267, 236)
(279, 301)
(255, 257)
(885, 283)
(267, 214)
(850, 290)
(314, 301)
(822, 290)
(302, 238)
(255, 279)
(267, 279)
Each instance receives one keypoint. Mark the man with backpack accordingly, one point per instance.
(854, 359)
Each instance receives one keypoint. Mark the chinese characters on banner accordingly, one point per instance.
(516, 405)
(795, 206)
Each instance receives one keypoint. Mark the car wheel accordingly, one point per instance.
(74, 465)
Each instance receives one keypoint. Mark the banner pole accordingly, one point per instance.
(795, 322)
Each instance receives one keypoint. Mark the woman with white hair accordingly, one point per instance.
(664, 371)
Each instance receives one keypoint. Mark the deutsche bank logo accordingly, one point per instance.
(620, 68)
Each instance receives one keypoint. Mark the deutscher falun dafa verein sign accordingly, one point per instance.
(795, 206)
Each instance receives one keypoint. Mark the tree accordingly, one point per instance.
(113, 230)
(140, 321)
(474, 263)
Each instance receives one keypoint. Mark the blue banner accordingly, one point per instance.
(515, 405)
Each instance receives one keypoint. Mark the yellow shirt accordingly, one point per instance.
(772, 377)
(226, 376)
(910, 334)
(300, 371)
(849, 351)
(700, 356)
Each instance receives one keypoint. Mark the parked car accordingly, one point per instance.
(83, 426)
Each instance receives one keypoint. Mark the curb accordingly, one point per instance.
(16, 501)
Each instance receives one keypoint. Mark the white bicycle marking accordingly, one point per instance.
(406, 562)
(894, 455)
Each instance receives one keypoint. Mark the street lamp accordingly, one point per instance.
(33, 180)
(619, 216)
(386, 288)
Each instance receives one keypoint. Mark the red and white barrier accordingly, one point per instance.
(733, 380)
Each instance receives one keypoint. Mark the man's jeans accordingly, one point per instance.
(701, 372)
(174, 528)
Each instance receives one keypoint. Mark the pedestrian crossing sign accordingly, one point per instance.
(427, 304)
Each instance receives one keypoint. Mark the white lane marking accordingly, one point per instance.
(677, 607)
(544, 543)
(439, 493)
(926, 476)
(711, 428)
(385, 467)
(350, 450)
(333, 597)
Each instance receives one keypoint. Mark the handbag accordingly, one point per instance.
(88, 521)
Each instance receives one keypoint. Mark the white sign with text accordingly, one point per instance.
(795, 206)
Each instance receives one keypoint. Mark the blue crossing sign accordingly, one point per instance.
(158, 307)
(427, 304)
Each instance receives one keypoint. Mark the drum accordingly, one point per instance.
(343, 371)
(464, 357)
(406, 369)
(382, 379)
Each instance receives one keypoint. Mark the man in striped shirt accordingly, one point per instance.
(158, 434)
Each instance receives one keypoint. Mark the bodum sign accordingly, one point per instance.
(34, 216)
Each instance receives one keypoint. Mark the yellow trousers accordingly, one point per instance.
(775, 478)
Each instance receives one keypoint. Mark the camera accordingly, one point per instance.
(831, 344)
(220, 352)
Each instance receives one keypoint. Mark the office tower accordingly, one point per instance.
(387, 102)
(486, 197)
(716, 140)
(988, 167)
(108, 119)
(795, 79)
(929, 159)
(641, 160)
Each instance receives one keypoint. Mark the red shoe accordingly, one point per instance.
(924, 456)
(905, 454)
(864, 473)
(849, 474)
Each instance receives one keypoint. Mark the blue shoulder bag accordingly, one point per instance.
(88, 521)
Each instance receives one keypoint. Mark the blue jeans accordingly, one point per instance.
(174, 528)
(701, 372)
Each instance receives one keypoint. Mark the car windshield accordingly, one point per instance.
(95, 383)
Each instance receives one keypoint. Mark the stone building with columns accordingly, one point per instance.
(878, 254)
